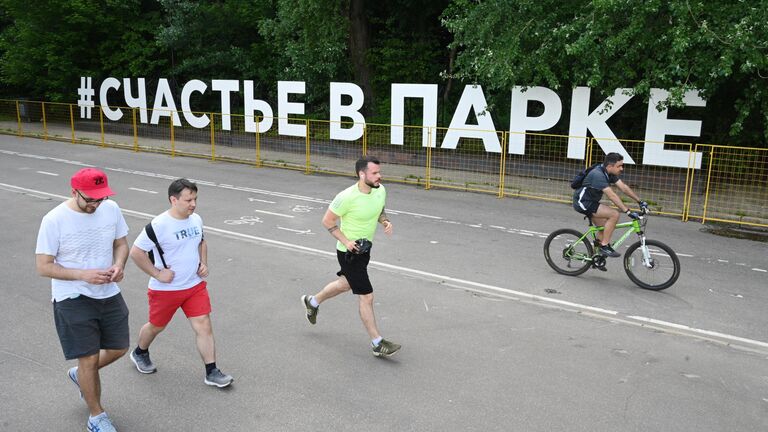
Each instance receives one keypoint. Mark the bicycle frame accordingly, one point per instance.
(635, 226)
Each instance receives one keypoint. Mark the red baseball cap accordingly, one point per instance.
(92, 182)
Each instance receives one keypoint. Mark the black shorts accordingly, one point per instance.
(86, 325)
(355, 269)
(591, 208)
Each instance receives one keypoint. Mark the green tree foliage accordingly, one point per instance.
(218, 40)
(51, 44)
(310, 40)
(719, 48)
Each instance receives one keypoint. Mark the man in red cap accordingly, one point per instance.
(82, 247)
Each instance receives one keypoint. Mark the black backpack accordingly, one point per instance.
(579, 178)
(151, 234)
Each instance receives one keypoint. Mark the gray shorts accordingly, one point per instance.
(86, 325)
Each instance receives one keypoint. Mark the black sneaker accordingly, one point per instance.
(608, 251)
(311, 310)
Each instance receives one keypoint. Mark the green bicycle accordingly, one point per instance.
(649, 263)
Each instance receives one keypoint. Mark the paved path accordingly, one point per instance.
(493, 339)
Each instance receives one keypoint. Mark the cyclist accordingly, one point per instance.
(586, 200)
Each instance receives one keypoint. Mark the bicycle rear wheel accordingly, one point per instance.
(566, 254)
(660, 273)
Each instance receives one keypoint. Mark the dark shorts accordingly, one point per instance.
(355, 269)
(591, 208)
(86, 325)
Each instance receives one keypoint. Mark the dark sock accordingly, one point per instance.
(140, 351)
(209, 367)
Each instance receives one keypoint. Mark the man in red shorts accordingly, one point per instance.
(176, 279)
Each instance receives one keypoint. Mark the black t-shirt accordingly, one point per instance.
(593, 185)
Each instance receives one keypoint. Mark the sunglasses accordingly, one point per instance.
(90, 200)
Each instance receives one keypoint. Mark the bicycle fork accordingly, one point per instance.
(647, 262)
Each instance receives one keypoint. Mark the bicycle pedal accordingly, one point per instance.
(601, 268)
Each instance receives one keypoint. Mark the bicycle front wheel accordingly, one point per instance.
(567, 253)
(657, 273)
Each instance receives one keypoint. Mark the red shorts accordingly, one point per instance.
(163, 304)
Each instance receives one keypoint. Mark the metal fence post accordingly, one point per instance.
(72, 121)
(706, 191)
(101, 125)
(307, 168)
(258, 143)
(173, 138)
(213, 137)
(502, 163)
(20, 131)
(135, 131)
(45, 123)
(428, 182)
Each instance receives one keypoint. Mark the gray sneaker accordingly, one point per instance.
(311, 310)
(72, 374)
(143, 362)
(101, 423)
(218, 378)
(385, 348)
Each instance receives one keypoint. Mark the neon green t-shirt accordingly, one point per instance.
(359, 212)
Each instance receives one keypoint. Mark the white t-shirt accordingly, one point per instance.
(81, 241)
(180, 239)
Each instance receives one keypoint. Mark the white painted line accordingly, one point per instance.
(497, 227)
(274, 214)
(414, 214)
(307, 231)
(684, 255)
(700, 331)
(142, 190)
(760, 270)
(260, 200)
(447, 279)
(48, 173)
(722, 261)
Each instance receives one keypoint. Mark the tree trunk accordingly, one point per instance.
(359, 43)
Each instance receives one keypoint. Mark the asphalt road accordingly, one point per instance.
(492, 338)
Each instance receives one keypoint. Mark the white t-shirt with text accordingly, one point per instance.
(180, 240)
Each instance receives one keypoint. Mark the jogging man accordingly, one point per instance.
(176, 279)
(586, 199)
(82, 247)
(352, 216)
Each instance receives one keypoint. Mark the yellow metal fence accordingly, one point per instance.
(731, 184)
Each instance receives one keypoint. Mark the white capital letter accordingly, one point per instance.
(186, 93)
(285, 108)
(472, 99)
(352, 111)
(164, 104)
(519, 122)
(252, 105)
(582, 121)
(109, 83)
(428, 94)
(225, 87)
(139, 101)
(659, 126)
